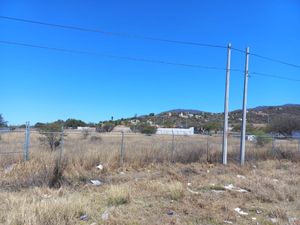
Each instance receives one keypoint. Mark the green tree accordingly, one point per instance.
(284, 125)
(145, 128)
(3, 123)
(51, 134)
(105, 127)
(73, 123)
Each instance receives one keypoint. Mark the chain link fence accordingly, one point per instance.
(116, 149)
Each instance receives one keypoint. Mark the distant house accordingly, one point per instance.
(134, 122)
(92, 129)
(175, 131)
(183, 116)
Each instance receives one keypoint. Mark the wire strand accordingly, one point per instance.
(275, 60)
(274, 76)
(111, 56)
(126, 35)
(72, 51)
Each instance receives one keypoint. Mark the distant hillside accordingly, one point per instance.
(257, 117)
(193, 111)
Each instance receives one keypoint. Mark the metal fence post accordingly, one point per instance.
(61, 148)
(207, 148)
(173, 146)
(122, 149)
(273, 143)
(27, 142)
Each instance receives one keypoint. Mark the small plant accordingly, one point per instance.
(118, 195)
(85, 133)
(51, 135)
(262, 138)
(175, 190)
(95, 138)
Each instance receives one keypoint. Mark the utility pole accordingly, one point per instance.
(225, 129)
(243, 130)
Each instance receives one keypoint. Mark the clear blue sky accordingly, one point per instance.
(43, 85)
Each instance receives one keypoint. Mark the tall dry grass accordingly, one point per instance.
(81, 154)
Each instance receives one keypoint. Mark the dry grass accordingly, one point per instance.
(161, 195)
(148, 189)
(118, 195)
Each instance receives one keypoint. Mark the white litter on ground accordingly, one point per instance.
(240, 176)
(96, 182)
(228, 222)
(189, 184)
(100, 167)
(105, 215)
(231, 187)
(193, 192)
(241, 212)
(274, 220)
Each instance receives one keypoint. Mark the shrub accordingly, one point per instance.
(145, 128)
(85, 133)
(51, 135)
(262, 138)
(3, 123)
(105, 127)
(284, 125)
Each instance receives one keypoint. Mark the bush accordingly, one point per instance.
(73, 123)
(145, 128)
(3, 123)
(51, 134)
(284, 125)
(105, 127)
(262, 138)
(118, 195)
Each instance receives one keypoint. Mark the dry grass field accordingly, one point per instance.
(155, 185)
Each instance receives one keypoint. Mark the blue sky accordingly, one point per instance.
(42, 85)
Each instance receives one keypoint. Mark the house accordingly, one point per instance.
(183, 116)
(91, 129)
(175, 131)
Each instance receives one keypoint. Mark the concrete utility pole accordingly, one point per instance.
(225, 129)
(243, 130)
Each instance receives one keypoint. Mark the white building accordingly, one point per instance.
(91, 129)
(175, 131)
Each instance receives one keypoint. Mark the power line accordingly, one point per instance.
(274, 76)
(125, 35)
(268, 58)
(110, 55)
(72, 51)
(276, 60)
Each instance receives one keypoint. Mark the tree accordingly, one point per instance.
(73, 123)
(284, 125)
(51, 134)
(105, 127)
(144, 128)
(3, 123)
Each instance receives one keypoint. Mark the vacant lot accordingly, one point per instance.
(160, 182)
